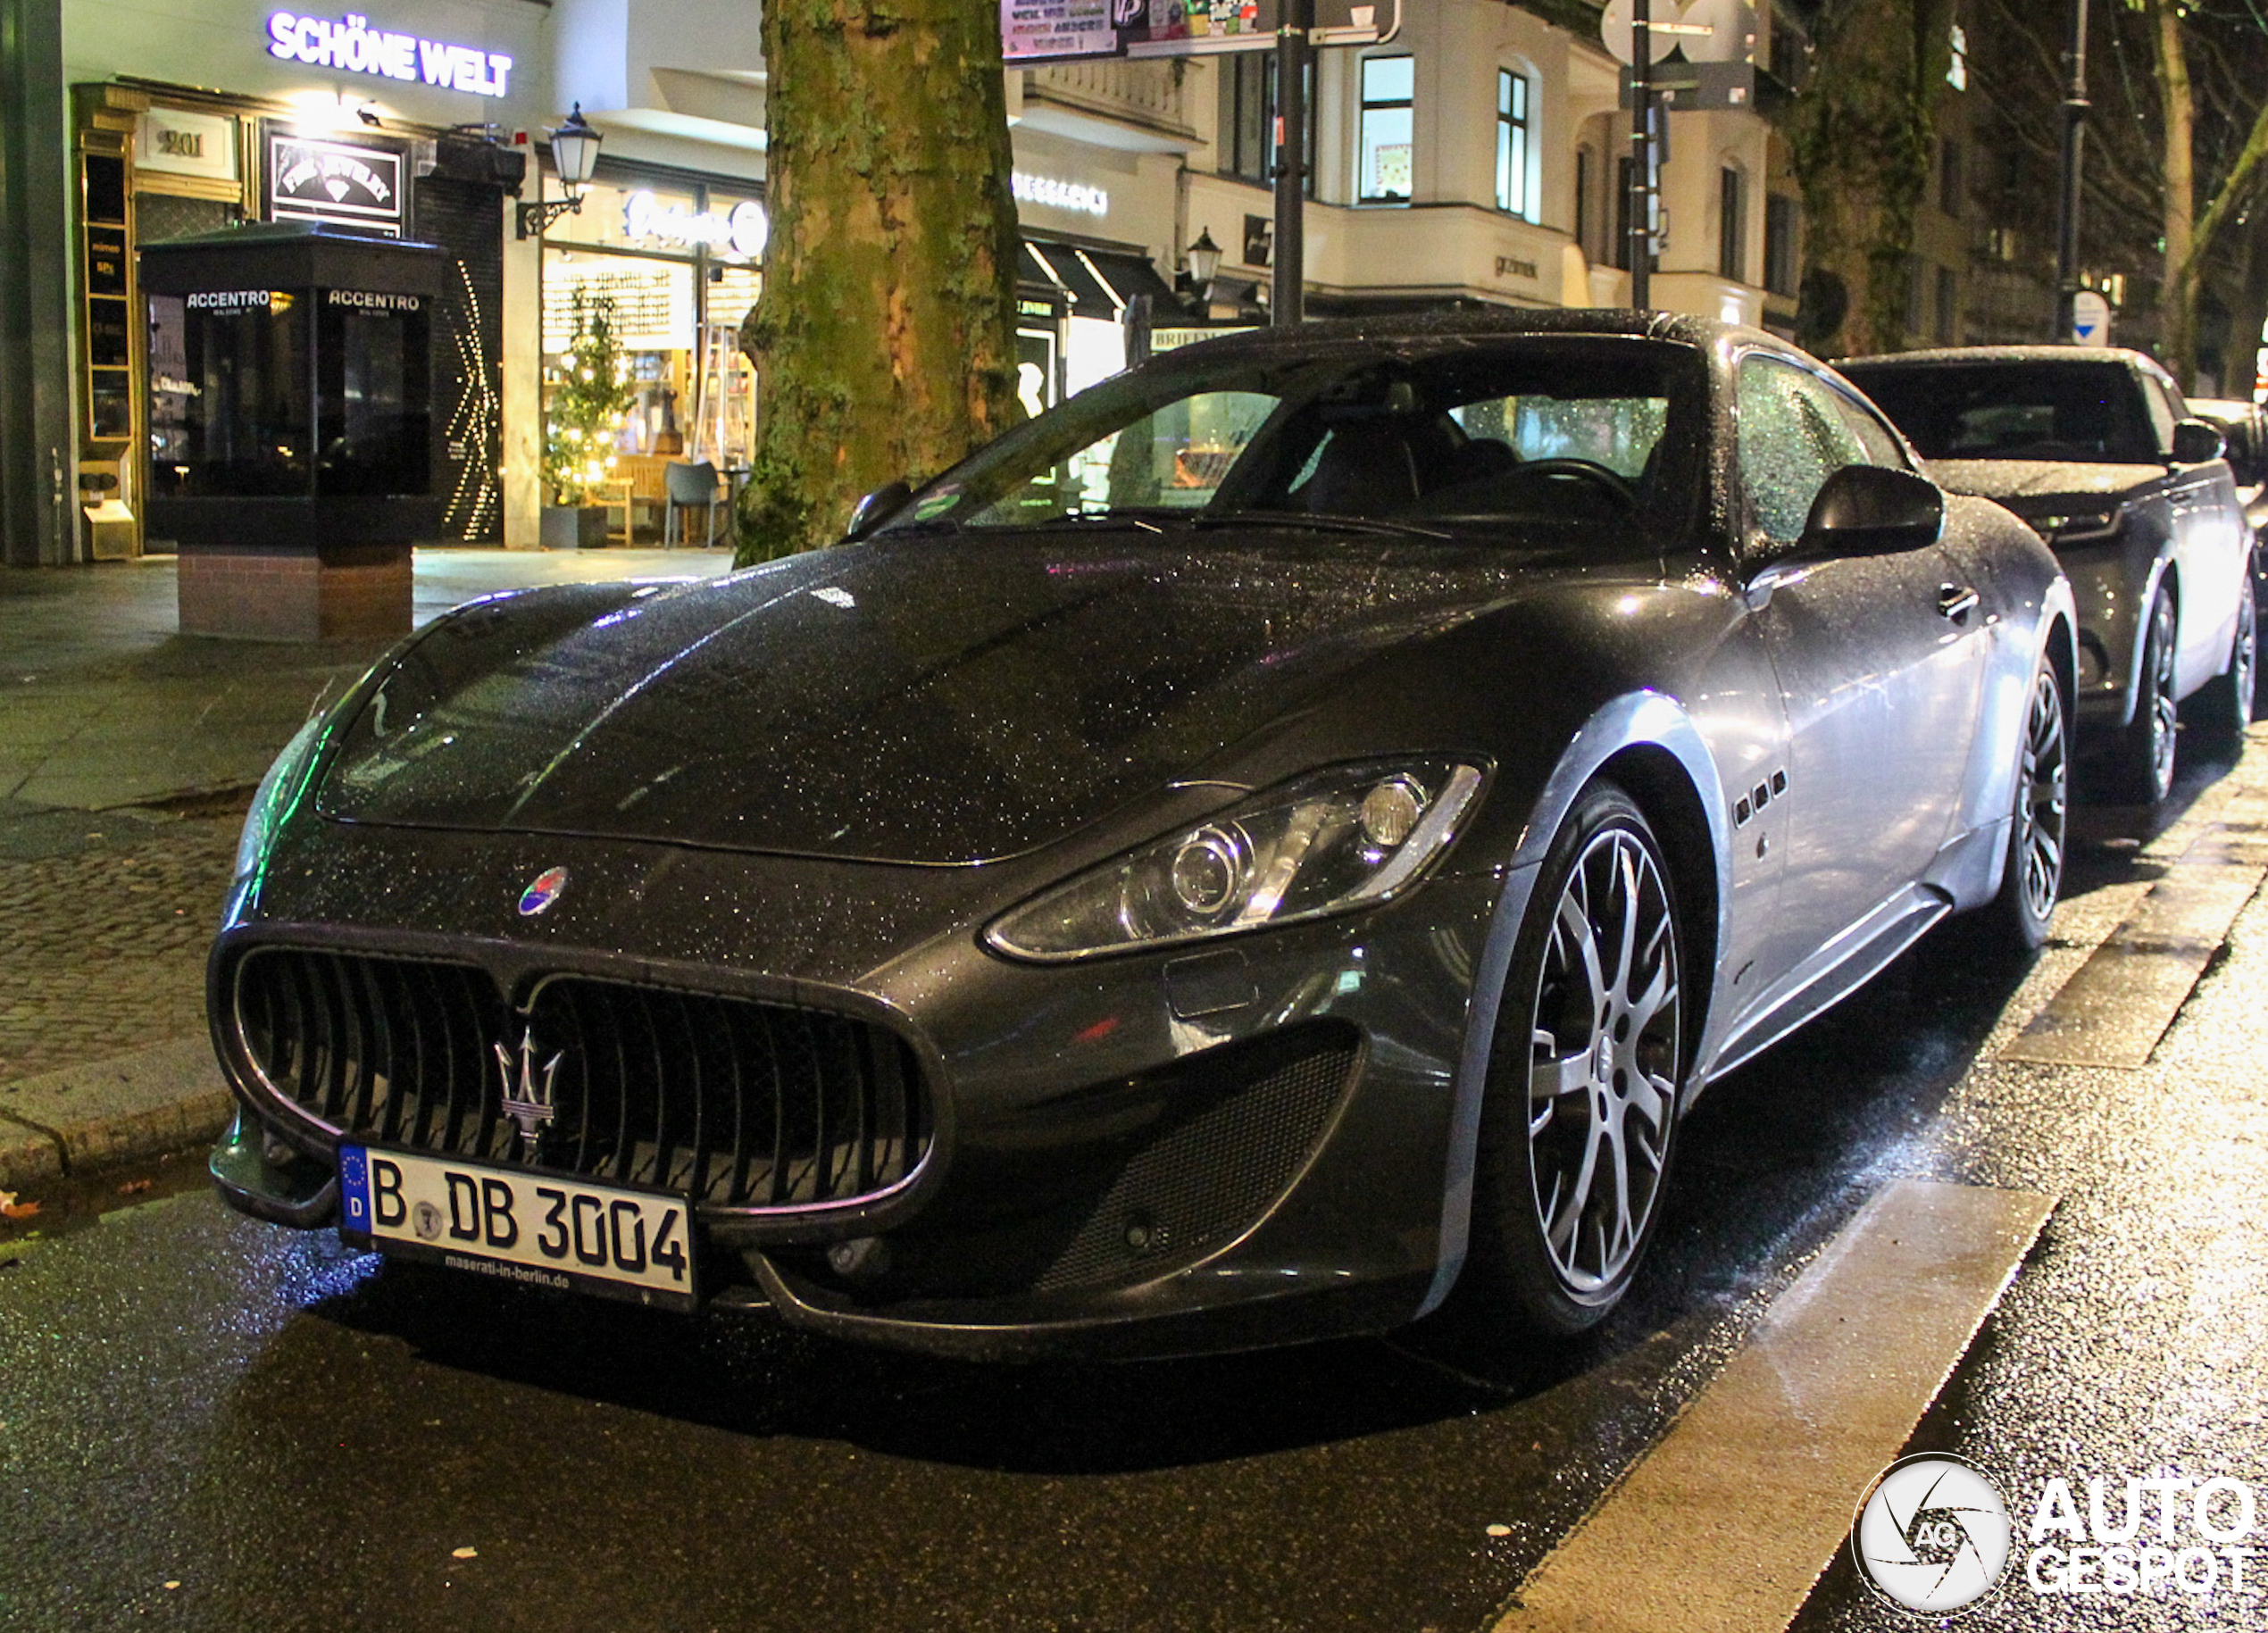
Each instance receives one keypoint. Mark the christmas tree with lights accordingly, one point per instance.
(589, 397)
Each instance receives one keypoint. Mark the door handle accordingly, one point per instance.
(1956, 602)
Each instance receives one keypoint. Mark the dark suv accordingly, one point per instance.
(2095, 447)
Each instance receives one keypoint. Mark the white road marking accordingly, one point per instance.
(1727, 1523)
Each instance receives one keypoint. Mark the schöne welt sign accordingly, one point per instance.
(350, 44)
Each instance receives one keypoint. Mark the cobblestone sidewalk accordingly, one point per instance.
(104, 920)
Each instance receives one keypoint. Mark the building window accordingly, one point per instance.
(1247, 139)
(1780, 244)
(1949, 177)
(1389, 121)
(1732, 242)
(1948, 306)
(1512, 146)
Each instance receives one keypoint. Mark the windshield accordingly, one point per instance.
(1527, 430)
(2092, 411)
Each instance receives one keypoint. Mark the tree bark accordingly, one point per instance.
(884, 339)
(2176, 123)
(1861, 134)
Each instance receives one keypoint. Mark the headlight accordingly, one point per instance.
(2066, 527)
(1337, 839)
(278, 790)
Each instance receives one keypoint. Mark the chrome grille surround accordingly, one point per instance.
(739, 1104)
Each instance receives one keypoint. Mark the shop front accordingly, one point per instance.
(671, 261)
(335, 122)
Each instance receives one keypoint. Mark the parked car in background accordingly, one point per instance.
(1269, 845)
(2096, 449)
(2246, 426)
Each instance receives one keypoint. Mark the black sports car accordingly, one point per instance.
(2095, 447)
(1264, 849)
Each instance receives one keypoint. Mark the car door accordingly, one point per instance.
(1880, 657)
(2210, 538)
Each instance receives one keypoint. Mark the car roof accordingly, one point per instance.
(1491, 322)
(2000, 354)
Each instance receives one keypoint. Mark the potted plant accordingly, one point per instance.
(583, 411)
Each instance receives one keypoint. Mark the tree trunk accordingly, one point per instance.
(2177, 121)
(1860, 133)
(884, 340)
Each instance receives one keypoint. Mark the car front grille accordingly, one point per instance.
(734, 1103)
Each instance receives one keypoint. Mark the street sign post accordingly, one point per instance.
(2091, 319)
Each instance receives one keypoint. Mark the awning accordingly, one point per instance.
(1098, 282)
(1129, 275)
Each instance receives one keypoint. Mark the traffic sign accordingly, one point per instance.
(2091, 319)
(1704, 30)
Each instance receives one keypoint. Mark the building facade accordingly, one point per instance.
(1477, 157)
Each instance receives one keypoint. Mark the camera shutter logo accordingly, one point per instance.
(1933, 1533)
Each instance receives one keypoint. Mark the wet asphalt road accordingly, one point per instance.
(209, 1423)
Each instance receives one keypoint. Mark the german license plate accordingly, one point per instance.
(533, 1228)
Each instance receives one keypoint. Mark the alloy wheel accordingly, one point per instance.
(2042, 807)
(1604, 1066)
(2162, 704)
(2244, 659)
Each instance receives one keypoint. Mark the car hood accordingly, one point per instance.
(2012, 480)
(926, 701)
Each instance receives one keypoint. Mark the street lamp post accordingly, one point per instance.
(2074, 142)
(574, 152)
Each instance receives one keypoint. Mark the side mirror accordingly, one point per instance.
(876, 508)
(2196, 442)
(1863, 510)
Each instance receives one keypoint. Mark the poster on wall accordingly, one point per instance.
(1069, 31)
(345, 184)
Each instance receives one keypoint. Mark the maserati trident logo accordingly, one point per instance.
(528, 1099)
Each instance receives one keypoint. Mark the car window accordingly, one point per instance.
(2165, 406)
(2014, 408)
(1880, 443)
(1541, 431)
(1173, 456)
(1793, 437)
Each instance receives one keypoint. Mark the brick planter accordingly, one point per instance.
(333, 592)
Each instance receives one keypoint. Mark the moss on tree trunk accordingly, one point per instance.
(884, 341)
(1861, 133)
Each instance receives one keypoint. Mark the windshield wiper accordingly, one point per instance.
(1330, 521)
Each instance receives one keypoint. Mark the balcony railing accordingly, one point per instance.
(1142, 92)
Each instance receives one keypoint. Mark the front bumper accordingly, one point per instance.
(1122, 1165)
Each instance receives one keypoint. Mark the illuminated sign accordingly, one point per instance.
(1059, 195)
(364, 300)
(742, 231)
(309, 180)
(350, 44)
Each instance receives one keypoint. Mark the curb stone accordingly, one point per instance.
(156, 1100)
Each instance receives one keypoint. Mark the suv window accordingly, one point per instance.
(1794, 435)
(2095, 412)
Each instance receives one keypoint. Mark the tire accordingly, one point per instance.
(2226, 704)
(2143, 764)
(2033, 875)
(1573, 1164)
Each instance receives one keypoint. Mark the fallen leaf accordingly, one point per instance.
(135, 1188)
(464, 1553)
(170, 1585)
(10, 1208)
